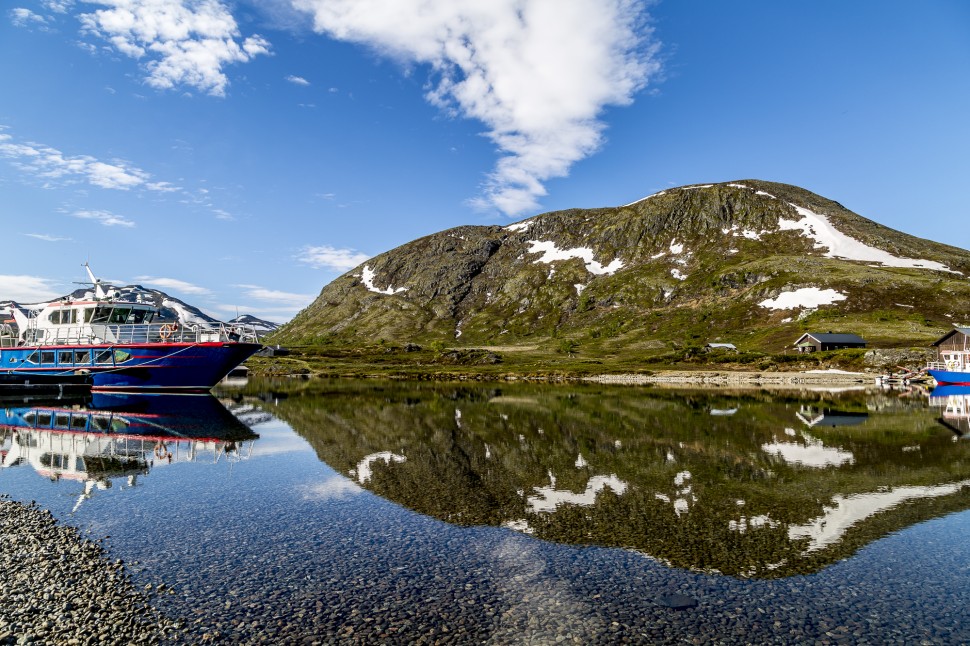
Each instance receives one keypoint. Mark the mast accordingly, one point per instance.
(98, 292)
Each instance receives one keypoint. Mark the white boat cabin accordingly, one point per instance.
(85, 322)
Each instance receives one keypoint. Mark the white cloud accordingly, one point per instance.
(21, 17)
(27, 289)
(46, 237)
(276, 296)
(184, 42)
(172, 283)
(327, 257)
(297, 80)
(55, 169)
(106, 218)
(58, 6)
(51, 164)
(537, 73)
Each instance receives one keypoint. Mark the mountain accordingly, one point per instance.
(170, 308)
(749, 262)
(260, 325)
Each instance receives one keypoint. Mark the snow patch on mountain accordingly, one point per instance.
(551, 253)
(658, 194)
(367, 277)
(816, 226)
(519, 226)
(804, 297)
(185, 315)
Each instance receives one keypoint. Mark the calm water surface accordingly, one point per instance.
(416, 513)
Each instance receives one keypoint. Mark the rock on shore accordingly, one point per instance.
(60, 588)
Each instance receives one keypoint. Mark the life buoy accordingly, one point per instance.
(162, 452)
(168, 330)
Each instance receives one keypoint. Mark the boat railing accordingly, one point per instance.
(128, 334)
(946, 365)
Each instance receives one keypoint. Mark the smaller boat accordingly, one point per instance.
(945, 377)
(953, 366)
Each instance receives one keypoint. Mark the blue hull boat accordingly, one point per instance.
(121, 344)
(950, 377)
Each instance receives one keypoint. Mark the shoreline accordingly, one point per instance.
(702, 377)
(737, 378)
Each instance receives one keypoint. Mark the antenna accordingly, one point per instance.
(98, 292)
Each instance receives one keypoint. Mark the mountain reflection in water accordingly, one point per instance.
(752, 484)
(105, 440)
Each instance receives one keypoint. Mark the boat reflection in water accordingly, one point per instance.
(749, 484)
(109, 439)
(955, 404)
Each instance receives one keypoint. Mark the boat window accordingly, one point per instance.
(137, 316)
(100, 423)
(82, 356)
(79, 422)
(88, 313)
(101, 314)
(47, 356)
(32, 358)
(119, 424)
(65, 356)
(121, 356)
(44, 419)
(119, 315)
(62, 420)
(103, 356)
(79, 464)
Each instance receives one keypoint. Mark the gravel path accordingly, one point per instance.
(57, 587)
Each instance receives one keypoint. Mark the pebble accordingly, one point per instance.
(51, 571)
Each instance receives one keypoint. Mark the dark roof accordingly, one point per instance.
(956, 330)
(833, 338)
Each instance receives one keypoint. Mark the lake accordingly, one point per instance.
(385, 512)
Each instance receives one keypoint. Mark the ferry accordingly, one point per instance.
(121, 345)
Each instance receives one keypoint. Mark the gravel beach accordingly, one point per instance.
(59, 588)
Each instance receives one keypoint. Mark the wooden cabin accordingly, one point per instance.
(819, 342)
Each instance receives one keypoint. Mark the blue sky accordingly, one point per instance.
(241, 155)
